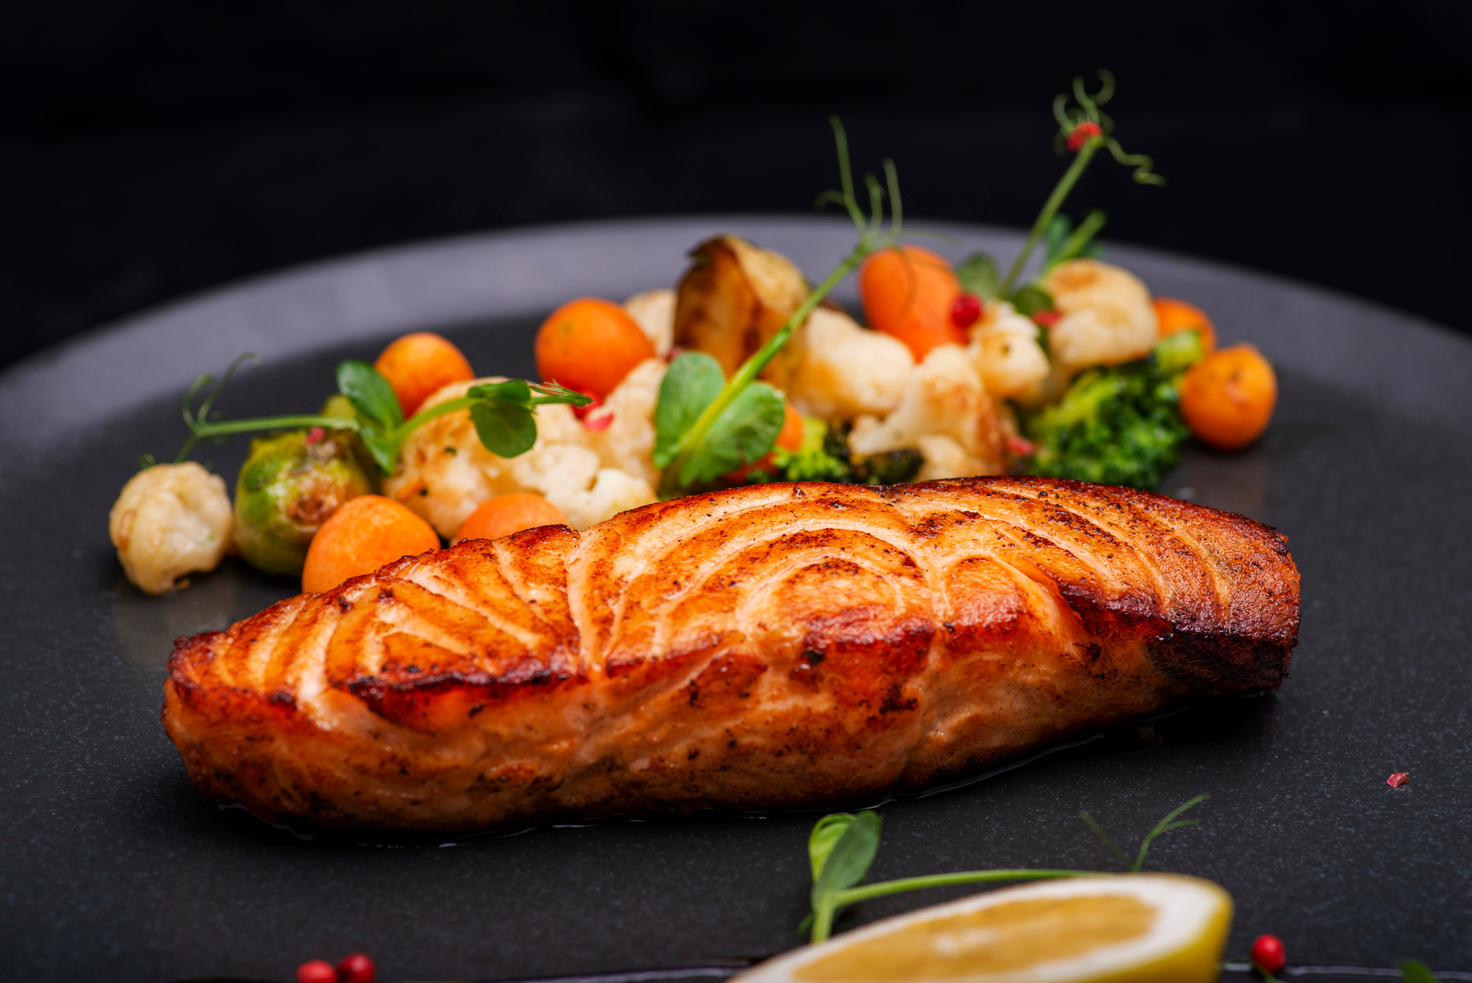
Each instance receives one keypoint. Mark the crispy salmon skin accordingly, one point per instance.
(768, 647)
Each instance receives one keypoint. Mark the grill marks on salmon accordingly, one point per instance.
(767, 647)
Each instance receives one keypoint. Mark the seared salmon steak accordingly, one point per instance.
(768, 647)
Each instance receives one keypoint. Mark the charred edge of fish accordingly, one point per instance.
(1225, 663)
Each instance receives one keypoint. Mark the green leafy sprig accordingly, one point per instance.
(1415, 971)
(1170, 822)
(504, 413)
(842, 846)
(703, 428)
(1084, 129)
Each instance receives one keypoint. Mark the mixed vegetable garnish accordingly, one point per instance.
(744, 373)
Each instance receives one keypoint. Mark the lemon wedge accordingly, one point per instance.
(1129, 928)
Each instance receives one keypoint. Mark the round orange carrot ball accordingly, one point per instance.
(908, 292)
(790, 437)
(1227, 398)
(590, 345)
(418, 365)
(506, 514)
(362, 535)
(1176, 315)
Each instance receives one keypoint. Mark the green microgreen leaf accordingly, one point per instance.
(505, 428)
(744, 431)
(383, 448)
(825, 836)
(849, 858)
(370, 393)
(690, 384)
(1415, 971)
(1062, 241)
(1029, 300)
(1054, 236)
(1082, 239)
(513, 391)
(978, 275)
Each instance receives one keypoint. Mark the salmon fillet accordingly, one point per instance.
(768, 647)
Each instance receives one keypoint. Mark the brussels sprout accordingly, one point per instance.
(341, 407)
(287, 488)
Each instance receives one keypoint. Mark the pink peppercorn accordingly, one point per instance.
(356, 968)
(1268, 954)
(316, 971)
(966, 310)
(1082, 134)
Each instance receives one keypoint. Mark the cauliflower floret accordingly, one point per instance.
(944, 458)
(654, 312)
(945, 397)
(846, 370)
(1106, 315)
(170, 520)
(627, 442)
(613, 491)
(445, 471)
(1004, 346)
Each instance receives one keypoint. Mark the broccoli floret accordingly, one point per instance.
(890, 468)
(823, 456)
(1176, 353)
(1117, 425)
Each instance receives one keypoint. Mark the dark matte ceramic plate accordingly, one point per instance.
(112, 866)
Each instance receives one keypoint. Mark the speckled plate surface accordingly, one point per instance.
(112, 866)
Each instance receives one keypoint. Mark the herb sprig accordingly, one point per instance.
(704, 429)
(1084, 129)
(842, 846)
(1170, 822)
(504, 413)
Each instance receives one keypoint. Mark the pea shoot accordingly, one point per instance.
(705, 426)
(504, 413)
(842, 846)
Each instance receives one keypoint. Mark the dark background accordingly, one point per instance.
(153, 149)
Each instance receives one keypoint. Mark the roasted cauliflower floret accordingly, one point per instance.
(654, 312)
(170, 520)
(628, 440)
(945, 397)
(445, 471)
(846, 370)
(1106, 315)
(1004, 346)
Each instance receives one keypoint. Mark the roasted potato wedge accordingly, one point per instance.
(733, 298)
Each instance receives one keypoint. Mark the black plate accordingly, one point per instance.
(112, 866)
